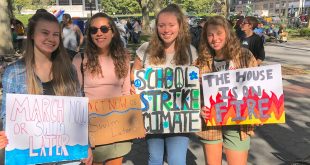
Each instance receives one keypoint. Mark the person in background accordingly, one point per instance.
(104, 72)
(260, 31)
(121, 28)
(196, 32)
(168, 47)
(272, 32)
(237, 28)
(137, 28)
(19, 30)
(282, 33)
(44, 69)
(251, 40)
(129, 30)
(219, 52)
(72, 36)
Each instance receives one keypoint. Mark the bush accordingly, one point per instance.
(305, 32)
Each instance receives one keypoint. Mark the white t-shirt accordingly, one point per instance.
(169, 57)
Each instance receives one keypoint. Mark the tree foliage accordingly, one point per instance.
(120, 6)
(19, 4)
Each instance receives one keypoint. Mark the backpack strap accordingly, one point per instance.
(144, 57)
(190, 55)
(82, 72)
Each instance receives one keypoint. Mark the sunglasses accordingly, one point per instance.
(103, 29)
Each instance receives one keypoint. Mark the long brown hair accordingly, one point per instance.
(182, 43)
(117, 51)
(64, 81)
(232, 47)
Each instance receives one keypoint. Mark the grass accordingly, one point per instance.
(23, 18)
(293, 34)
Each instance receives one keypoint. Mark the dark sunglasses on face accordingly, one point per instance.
(103, 29)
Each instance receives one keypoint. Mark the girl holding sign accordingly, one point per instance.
(219, 51)
(104, 72)
(45, 68)
(169, 46)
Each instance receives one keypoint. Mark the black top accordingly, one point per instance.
(48, 88)
(195, 36)
(255, 44)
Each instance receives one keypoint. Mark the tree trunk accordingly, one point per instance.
(156, 7)
(10, 9)
(145, 16)
(6, 46)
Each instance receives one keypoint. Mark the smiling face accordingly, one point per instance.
(101, 39)
(46, 37)
(168, 28)
(216, 36)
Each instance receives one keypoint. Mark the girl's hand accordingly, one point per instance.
(89, 159)
(3, 140)
(205, 113)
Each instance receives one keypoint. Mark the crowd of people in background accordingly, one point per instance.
(212, 46)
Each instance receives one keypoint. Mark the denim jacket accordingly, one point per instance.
(14, 81)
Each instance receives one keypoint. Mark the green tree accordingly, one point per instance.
(199, 6)
(145, 10)
(20, 4)
(157, 6)
(120, 6)
(37, 4)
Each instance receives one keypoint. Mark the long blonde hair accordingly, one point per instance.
(64, 81)
(232, 48)
(182, 43)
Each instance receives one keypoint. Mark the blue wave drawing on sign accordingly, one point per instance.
(17, 156)
(114, 111)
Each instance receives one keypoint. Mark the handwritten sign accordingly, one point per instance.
(244, 96)
(44, 129)
(115, 119)
(170, 99)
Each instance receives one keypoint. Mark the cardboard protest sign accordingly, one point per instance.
(244, 96)
(44, 129)
(115, 119)
(170, 99)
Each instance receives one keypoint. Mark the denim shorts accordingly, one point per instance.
(231, 139)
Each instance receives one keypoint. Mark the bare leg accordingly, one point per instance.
(213, 154)
(236, 157)
(115, 161)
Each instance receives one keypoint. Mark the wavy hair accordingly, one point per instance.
(232, 48)
(64, 81)
(182, 43)
(116, 49)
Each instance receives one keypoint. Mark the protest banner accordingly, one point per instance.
(170, 99)
(43, 129)
(115, 119)
(244, 96)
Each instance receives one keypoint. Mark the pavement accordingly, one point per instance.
(274, 144)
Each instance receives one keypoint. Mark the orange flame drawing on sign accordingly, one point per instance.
(274, 109)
